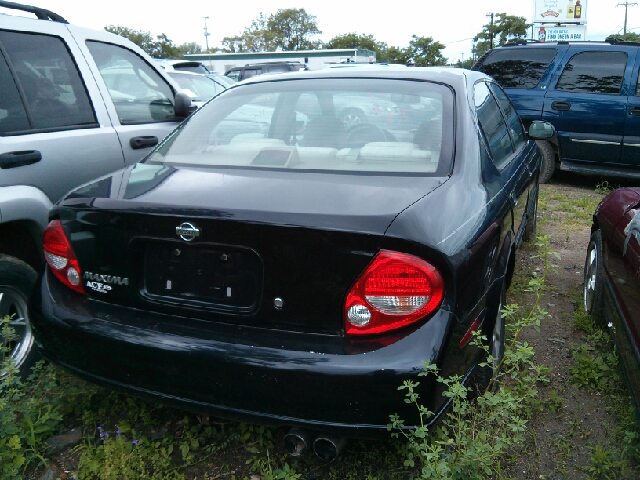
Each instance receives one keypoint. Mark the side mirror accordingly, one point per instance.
(539, 130)
(182, 106)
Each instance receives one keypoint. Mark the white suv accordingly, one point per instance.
(75, 104)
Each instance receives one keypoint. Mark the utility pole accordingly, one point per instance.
(490, 30)
(206, 33)
(626, 6)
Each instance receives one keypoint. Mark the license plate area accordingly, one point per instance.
(205, 276)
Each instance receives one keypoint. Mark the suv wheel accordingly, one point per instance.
(548, 160)
(16, 283)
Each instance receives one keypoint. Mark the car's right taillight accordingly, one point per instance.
(60, 256)
(394, 291)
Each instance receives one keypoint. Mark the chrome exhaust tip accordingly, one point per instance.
(297, 441)
(328, 447)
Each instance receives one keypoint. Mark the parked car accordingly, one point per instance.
(611, 275)
(74, 104)
(200, 88)
(173, 65)
(590, 93)
(218, 77)
(297, 271)
(253, 69)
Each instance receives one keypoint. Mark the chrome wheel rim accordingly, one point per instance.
(590, 277)
(14, 305)
(497, 339)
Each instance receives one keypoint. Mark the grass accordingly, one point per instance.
(597, 369)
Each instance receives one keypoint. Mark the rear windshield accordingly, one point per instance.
(369, 125)
(517, 67)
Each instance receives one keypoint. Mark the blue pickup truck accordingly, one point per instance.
(590, 93)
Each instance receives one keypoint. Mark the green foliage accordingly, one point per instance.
(124, 455)
(425, 52)
(629, 37)
(365, 42)
(505, 27)
(29, 413)
(161, 47)
(598, 369)
(477, 433)
(604, 187)
(264, 467)
(287, 29)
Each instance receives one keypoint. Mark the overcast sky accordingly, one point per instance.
(453, 23)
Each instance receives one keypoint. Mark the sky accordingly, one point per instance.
(453, 23)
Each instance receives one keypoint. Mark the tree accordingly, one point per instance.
(189, 48)
(425, 52)
(161, 47)
(505, 28)
(143, 39)
(288, 29)
(291, 29)
(365, 42)
(629, 37)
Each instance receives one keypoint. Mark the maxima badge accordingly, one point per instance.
(187, 231)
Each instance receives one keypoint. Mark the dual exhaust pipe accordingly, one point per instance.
(325, 446)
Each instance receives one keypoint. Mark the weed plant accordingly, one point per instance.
(30, 412)
(477, 433)
(597, 369)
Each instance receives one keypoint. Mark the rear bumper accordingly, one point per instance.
(243, 373)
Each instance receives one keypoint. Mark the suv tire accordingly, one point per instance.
(17, 280)
(548, 161)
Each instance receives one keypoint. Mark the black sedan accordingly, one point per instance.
(268, 265)
(611, 273)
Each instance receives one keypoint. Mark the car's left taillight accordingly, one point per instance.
(395, 290)
(60, 256)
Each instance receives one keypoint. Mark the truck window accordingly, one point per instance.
(594, 72)
(517, 67)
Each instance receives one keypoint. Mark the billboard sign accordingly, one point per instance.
(551, 33)
(560, 11)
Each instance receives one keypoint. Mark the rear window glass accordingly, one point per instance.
(360, 125)
(517, 67)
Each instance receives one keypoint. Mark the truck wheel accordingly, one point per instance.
(548, 160)
(17, 280)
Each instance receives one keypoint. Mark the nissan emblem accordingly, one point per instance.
(187, 231)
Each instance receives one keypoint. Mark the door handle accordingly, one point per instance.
(634, 111)
(562, 106)
(143, 142)
(19, 158)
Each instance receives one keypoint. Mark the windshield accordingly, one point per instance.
(348, 124)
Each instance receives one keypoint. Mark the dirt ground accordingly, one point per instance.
(560, 443)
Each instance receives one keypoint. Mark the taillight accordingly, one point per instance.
(395, 290)
(60, 256)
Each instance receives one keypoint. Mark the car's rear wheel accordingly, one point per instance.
(483, 375)
(16, 282)
(548, 160)
(593, 283)
(532, 221)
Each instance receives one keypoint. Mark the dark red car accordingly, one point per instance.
(612, 274)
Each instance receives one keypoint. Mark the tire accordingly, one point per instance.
(17, 280)
(532, 222)
(593, 289)
(482, 376)
(548, 160)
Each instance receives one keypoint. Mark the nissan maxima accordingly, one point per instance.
(276, 264)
